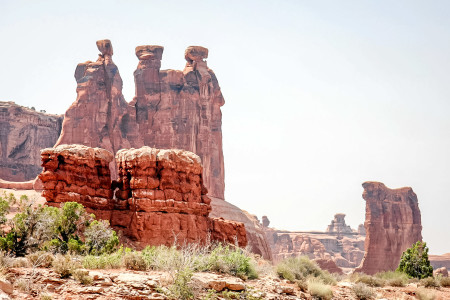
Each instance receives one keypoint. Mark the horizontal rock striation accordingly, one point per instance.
(23, 133)
(393, 224)
(158, 198)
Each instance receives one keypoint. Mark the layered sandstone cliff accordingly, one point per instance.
(159, 195)
(172, 109)
(23, 133)
(393, 224)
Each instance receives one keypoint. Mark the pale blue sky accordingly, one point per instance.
(320, 95)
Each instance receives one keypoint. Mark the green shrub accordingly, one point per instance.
(134, 261)
(41, 259)
(300, 268)
(100, 238)
(231, 261)
(424, 294)
(363, 292)
(414, 261)
(429, 282)
(319, 290)
(4, 209)
(82, 276)
(181, 287)
(63, 265)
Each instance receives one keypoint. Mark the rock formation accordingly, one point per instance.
(339, 244)
(255, 233)
(99, 116)
(265, 221)
(393, 224)
(172, 109)
(159, 195)
(23, 133)
(338, 225)
(440, 261)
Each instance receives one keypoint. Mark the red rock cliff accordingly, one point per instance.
(393, 224)
(23, 133)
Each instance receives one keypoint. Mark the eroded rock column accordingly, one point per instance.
(393, 224)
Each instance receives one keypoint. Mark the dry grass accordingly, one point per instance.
(424, 294)
(319, 290)
(363, 292)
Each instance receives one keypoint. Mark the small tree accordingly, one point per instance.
(414, 261)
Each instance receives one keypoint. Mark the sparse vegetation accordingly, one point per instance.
(414, 261)
(393, 278)
(372, 281)
(429, 282)
(444, 281)
(363, 292)
(424, 294)
(134, 261)
(82, 276)
(63, 265)
(319, 290)
(301, 268)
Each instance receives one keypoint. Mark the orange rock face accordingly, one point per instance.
(159, 197)
(393, 224)
(23, 133)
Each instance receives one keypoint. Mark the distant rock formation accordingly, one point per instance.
(265, 221)
(393, 224)
(440, 261)
(339, 244)
(160, 197)
(338, 225)
(23, 133)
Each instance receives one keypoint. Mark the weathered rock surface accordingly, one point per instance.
(23, 133)
(99, 116)
(393, 224)
(159, 198)
(172, 109)
(255, 234)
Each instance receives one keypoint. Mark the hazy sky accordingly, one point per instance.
(320, 95)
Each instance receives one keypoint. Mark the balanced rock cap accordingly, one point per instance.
(105, 47)
(146, 52)
(196, 53)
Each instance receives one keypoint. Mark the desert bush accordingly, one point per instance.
(161, 257)
(181, 287)
(414, 261)
(82, 276)
(300, 268)
(100, 238)
(134, 261)
(41, 259)
(318, 290)
(424, 294)
(444, 281)
(363, 292)
(396, 278)
(429, 282)
(231, 260)
(4, 209)
(63, 265)
(104, 261)
(367, 279)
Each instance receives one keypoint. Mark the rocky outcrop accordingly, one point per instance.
(393, 224)
(255, 233)
(23, 133)
(159, 194)
(77, 173)
(172, 109)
